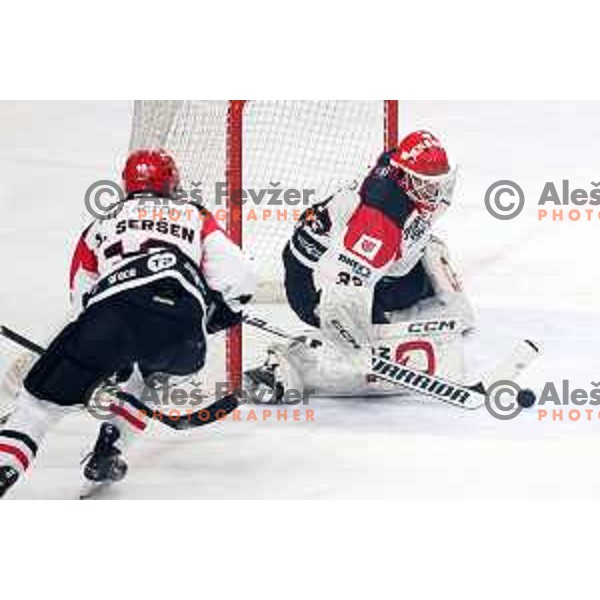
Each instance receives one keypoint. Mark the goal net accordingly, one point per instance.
(284, 155)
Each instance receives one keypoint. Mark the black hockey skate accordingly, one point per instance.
(8, 478)
(104, 465)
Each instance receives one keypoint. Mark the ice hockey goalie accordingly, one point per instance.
(364, 269)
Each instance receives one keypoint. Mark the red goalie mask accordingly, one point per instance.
(428, 177)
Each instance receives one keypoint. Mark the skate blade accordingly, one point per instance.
(90, 489)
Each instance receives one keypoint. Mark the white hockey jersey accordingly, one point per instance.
(337, 225)
(351, 241)
(147, 227)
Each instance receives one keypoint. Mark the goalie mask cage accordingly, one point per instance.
(223, 146)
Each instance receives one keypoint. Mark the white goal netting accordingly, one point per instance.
(284, 154)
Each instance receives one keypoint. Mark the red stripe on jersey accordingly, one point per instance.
(209, 225)
(373, 236)
(18, 454)
(131, 419)
(83, 258)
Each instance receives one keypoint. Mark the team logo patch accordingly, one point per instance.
(367, 246)
(160, 262)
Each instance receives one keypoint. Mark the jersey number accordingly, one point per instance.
(345, 278)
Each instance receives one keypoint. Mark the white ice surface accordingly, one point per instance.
(526, 278)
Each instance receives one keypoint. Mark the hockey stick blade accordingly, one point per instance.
(469, 397)
(215, 411)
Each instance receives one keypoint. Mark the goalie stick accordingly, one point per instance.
(211, 413)
(469, 397)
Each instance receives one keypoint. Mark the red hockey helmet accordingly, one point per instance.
(151, 171)
(428, 177)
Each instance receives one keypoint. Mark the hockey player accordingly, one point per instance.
(364, 264)
(148, 289)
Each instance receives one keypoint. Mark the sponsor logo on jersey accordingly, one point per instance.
(160, 262)
(357, 268)
(367, 246)
(120, 276)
